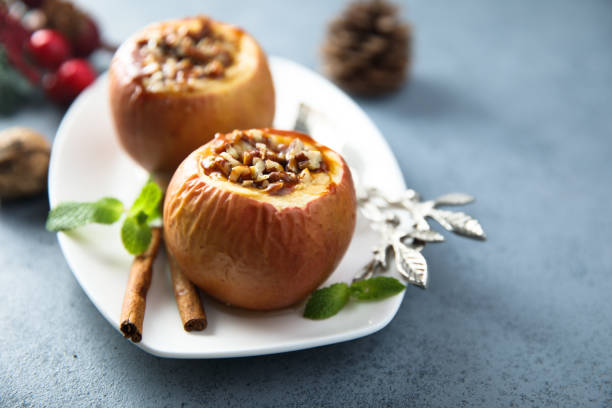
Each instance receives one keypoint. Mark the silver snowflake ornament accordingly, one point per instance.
(403, 223)
(404, 229)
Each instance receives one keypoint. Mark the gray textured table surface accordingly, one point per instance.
(509, 101)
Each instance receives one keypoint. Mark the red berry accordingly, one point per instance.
(54, 89)
(13, 37)
(88, 39)
(70, 79)
(49, 48)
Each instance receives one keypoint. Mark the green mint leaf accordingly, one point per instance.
(148, 200)
(136, 234)
(69, 215)
(141, 218)
(107, 210)
(157, 214)
(377, 288)
(72, 214)
(327, 302)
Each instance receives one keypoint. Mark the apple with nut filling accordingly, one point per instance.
(260, 218)
(176, 83)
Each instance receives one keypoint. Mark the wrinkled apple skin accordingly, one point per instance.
(158, 130)
(249, 253)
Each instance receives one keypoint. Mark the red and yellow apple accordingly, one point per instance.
(174, 84)
(260, 218)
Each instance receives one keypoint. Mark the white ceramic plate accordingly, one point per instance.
(87, 163)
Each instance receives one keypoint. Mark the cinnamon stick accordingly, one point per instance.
(135, 298)
(187, 299)
(186, 294)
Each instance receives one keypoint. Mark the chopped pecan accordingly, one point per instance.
(214, 69)
(314, 159)
(230, 159)
(249, 155)
(217, 164)
(305, 176)
(292, 164)
(277, 157)
(273, 166)
(239, 173)
(257, 169)
(274, 176)
(274, 188)
(197, 54)
(289, 177)
(225, 58)
(257, 135)
(232, 151)
(253, 159)
(295, 147)
(183, 54)
(301, 156)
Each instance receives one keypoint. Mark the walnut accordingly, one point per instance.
(24, 160)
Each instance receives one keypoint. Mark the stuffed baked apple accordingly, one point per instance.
(260, 218)
(176, 83)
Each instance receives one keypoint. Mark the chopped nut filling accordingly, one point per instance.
(254, 159)
(180, 55)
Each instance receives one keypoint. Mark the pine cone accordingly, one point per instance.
(368, 48)
(74, 23)
(63, 16)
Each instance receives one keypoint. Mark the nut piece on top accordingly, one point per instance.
(260, 218)
(176, 83)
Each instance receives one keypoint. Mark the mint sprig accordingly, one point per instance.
(136, 231)
(378, 288)
(147, 201)
(70, 215)
(327, 302)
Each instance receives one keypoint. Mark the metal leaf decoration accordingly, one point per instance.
(427, 235)
(411, 264)
(460, 223)
(454, 199)
(378, 264)
(404, 228)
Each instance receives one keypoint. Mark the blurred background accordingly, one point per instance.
(508, 101)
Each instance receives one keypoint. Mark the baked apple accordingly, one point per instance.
(260, 218)
(176, 83)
